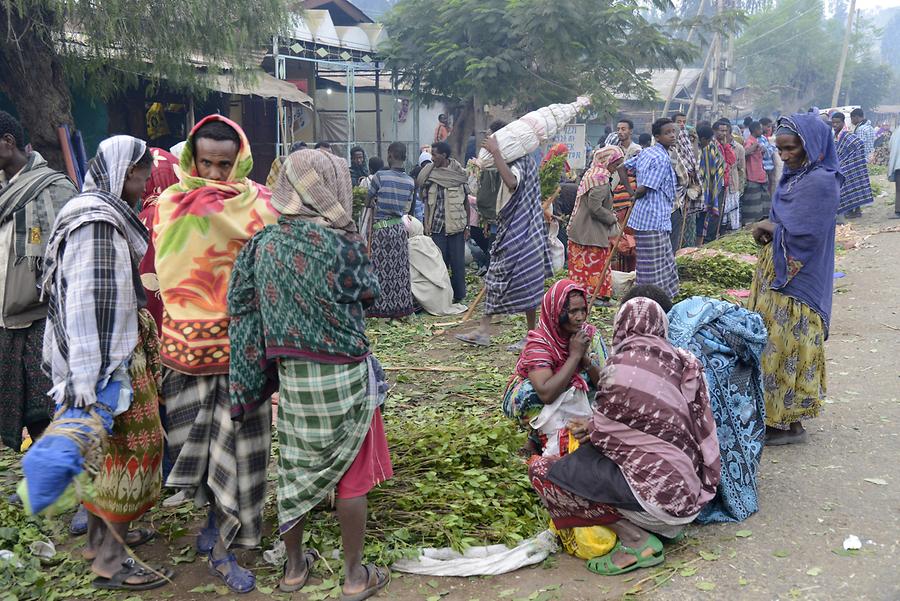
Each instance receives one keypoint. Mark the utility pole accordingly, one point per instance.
(717, 65)
(674, 87)
(840, 73)
(702, 77)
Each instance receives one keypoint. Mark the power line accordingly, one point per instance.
(788, 22)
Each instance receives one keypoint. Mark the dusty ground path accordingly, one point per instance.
(845, 481)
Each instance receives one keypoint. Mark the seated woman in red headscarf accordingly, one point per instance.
(561, 361)
(648, 459)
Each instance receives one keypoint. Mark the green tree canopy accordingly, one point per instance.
(104, 46)
(790, 53)
(527, 53)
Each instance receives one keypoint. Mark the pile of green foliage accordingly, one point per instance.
(458, 482)
(717, 270)
(740, 242)
(25, 577)
(550, 174)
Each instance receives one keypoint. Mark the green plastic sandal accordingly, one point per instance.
(605, 566)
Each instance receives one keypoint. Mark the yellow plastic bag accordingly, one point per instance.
(586, 543)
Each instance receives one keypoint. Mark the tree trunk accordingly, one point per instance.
(462, 129)
(32, 77)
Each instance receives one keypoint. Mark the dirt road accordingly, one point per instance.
(846, 481)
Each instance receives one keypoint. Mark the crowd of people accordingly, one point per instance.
(162, 306)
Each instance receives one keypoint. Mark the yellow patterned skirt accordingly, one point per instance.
(129, 480)
(793, 362)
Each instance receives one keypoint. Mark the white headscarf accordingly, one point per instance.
(430, 280)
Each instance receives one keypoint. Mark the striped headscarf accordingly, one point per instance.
(315, 186)
(597, 175)
(546, 347)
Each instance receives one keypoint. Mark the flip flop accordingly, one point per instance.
(129, 569)
(605, 566)
(145, 535)
(474, 339)
(239, 580)
(517, 347)
(382, 579)
(310, 556)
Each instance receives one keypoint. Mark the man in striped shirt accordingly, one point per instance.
(651, 216)
(863, 130)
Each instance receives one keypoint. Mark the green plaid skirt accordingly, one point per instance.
(324, 412)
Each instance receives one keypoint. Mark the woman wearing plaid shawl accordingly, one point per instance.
(297, 299)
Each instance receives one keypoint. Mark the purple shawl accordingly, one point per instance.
(803, 211)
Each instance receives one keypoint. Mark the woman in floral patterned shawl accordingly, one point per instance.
(297, 299)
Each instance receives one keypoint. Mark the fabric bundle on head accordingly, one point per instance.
(662, 433)
(547, 347)
(315, 186)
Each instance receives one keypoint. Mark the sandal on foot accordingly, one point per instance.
(140, 536)
(605, 566)
(474, 339)
(239, 580)
(788, 437)
(310, 557)
(382, 578)
(79, 523)
(130, 569)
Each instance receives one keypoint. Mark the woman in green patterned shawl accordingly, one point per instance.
(297, 299)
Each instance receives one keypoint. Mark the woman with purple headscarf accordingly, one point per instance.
(794, 278)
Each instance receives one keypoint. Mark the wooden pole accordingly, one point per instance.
(378, 112)
(475, 303)
(709, 54)
(680, 66)
(840, 72)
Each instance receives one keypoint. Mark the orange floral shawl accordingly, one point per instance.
(201, 225)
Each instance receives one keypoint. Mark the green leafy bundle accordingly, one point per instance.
(550, 174)
(360, 195)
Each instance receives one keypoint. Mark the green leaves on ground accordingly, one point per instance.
(743, 533)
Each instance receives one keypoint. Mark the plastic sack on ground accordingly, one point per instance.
(586, 543)
(480, 561)
(622, 282)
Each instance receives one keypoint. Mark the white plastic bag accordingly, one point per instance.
(622, 282)
(480, 561)
(573, 403)
(557, 250)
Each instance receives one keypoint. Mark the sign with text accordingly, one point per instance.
(573, 136)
